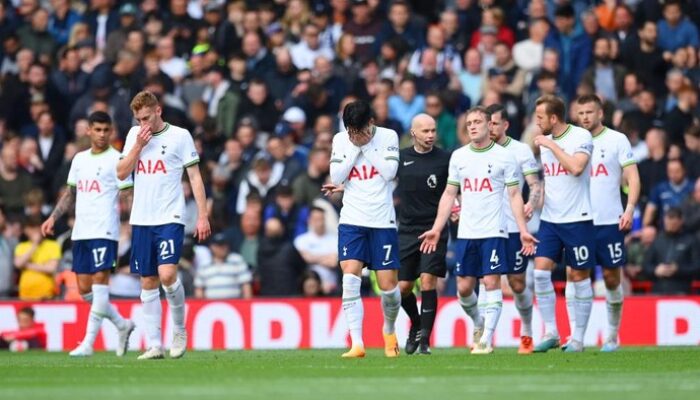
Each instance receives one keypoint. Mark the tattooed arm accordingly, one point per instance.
(535, 199)
(65, 203)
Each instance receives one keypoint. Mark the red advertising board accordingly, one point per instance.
(320, 323)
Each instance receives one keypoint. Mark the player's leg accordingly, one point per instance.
(410, 255)
(169, 239)
(517, 268)
(429, 304)
(570, 297)
(466, 254)
(81, 267)
(579, 240)
(100, 290)
(610, 253)
(547, 255)
(493, 262)
(143, 262)
(384, 259)
(352, 253)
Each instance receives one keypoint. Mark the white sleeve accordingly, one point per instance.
(72, 178)
(384, 155)
(188, 153)
(343, 157)
(510, 169)
(127, 183)
(625, 156)
(130, 141)
(453, 171)
(584, 143)
(528, 163)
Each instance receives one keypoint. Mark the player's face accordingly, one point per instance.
(424, 134)
(543, 120)
(498, 127)
(478, 127)
(150, 117)
(24, 321)
(100, 133)
(590, 116)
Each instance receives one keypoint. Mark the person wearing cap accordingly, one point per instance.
(227, 277)
(117, 38)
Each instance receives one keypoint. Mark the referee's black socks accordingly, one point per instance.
(410, 305)
(427, 313)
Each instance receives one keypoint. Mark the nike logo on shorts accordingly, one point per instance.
(384, 263)
(495, 266)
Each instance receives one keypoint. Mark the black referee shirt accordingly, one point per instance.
(422, 179)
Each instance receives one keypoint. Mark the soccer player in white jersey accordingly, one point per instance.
(482, 171)
(567, 219)
(94, 190)
(527, 171)
(365, 159)
(157, 153)
(613, 164)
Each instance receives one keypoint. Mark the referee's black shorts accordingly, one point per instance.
(413, 262)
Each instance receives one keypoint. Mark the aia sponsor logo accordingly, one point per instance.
(477, 185)
(89, 186)
(150, 167)
(363, 172)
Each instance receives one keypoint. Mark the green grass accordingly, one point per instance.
(633, 373)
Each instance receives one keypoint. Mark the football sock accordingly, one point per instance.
(176, 300)
(98, 311)
(584, 303)
(613, 300)
(570, 296)
(410, 305)
(469, 305)
(482, 299)
(152, 315)
(494, 304)
(523, 302)
(546, 301)
(352, 306)
(428, 309)
(391, 304)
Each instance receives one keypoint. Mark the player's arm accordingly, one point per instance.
(385, 158)
(447, 200)
(65, 203)
(574, 164)
(202, 229)
(343, 157)
(126, 196)
(630, 177)
(535, 201)
(517, 206)
(127, 164)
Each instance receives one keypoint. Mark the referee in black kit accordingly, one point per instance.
(422, 174)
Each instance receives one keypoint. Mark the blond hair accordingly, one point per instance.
(144, 99)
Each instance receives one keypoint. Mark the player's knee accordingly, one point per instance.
(464, 288)
(406, 287)
(101, 278)
(611, 278)
(167, 275)
(516, 284)
(578, 275)
(428, 282)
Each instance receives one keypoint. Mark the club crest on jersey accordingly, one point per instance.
(432, 181)
(88, 186)
(163, 149)
(362, 173)
(477, 185)
(554, 169)
(599, 170)
(150, 167)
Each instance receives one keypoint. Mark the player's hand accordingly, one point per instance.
(528, 211)
(360, 139)
(529, 243)
(544, 141)
(626, 220)
(144, 136)
(329, 189)
(430, 239)
(47, 227)
(202, 230)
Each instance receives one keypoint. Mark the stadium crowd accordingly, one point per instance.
(260, 85)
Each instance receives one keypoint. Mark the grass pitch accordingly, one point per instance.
(633, 373)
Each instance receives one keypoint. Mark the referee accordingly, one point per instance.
(422, 178)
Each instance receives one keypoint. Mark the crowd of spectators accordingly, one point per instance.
(260, 84)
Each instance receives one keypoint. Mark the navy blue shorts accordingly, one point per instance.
(610, 246)
(378, 248)
(152, 246)
(480, 257)
(94, 255)
(574, 240)
(517, 263)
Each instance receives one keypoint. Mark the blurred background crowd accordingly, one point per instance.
(260, 85)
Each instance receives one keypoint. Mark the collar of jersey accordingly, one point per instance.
(605, 129)
(160, 132)
(487, 148)
(568, 129)
(507, 142)
(105, 151)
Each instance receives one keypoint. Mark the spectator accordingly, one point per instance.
(307, 186)
(311, 284)
(676, 30)
(682, 116)
(117, 39)
(638, 243)
(365, 28)
(448, 60)
(260, 179)
(645, 113)
(406, 104)
(223, 102)
(227, 277)
(279, 264)
(61, 21)
(528, 53)
(309, 48)
(319, 249)
(258, 60)
(431, 79)
(401, 24)
(690, 209)
(37, 260)
(668, 194)
(51, 150)
(471, 77)
(69, 80)
(37, 38)
(691, 157)
(446, 123)
(606, 77)
(14, 182)
(29, 334)
(380, 106)
(672, 260)
(494, 17)
(294, 216)
(172, 65)
(7, 249)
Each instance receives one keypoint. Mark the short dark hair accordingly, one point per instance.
(99, 117)
(357, 115)
(498, 109)
(553, 106)
(671, 3)
(674, 212)
(33, 221)
(589, 98)
(316, 208)
(479, 109)
(27, 310)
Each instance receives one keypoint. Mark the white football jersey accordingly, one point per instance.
(158, 195)
(527, 165)
(566, 197)
(612, 152)
(94, 177)
(482, 176)
(368, 199)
